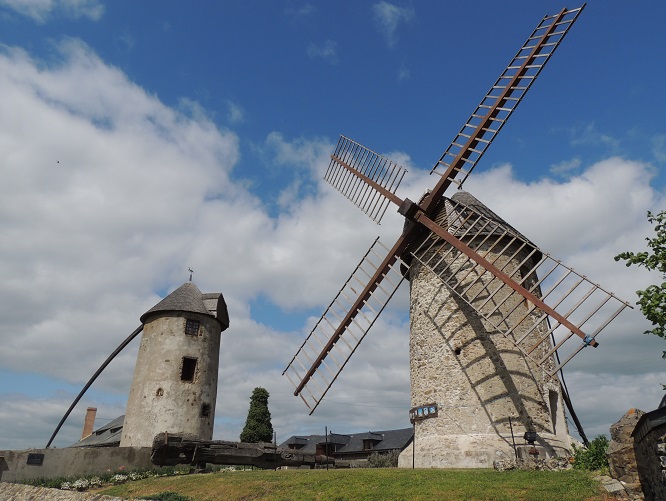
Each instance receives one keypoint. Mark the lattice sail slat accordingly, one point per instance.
(585, 304)
(350, 164)
(495, 108)
(344, 346)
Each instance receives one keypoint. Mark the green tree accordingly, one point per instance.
(652, 300)
(258, 427)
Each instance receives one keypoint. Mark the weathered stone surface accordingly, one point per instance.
(620, 490)
(162, 398)
(18, 492)
(71, 462)
(489, 394)
(650, 449)
(621, 456)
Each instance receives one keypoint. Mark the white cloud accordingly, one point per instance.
(236, 113)
(565, 167)
(41, 10)
(299, 14)
(326, 51)
(389, 17)
(659, 147)
(108, 196)
(590, 134)
(404, 73)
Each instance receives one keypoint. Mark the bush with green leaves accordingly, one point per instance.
(594, 457)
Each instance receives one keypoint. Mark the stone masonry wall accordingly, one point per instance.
(650, 450)
(159, 401)
(478, 378)
(72, 461)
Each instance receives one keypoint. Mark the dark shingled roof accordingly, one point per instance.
(384, 441)
(188, 298)
(106, 436)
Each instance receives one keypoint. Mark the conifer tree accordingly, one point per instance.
(258, 427)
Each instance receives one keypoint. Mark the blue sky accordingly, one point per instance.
(139, 139)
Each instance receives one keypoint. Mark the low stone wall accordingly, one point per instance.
(18, 466)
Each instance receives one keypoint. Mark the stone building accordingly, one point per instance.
(488, 395)
(175, 378)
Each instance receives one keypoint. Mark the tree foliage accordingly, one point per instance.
(258, 427)
(652, 300)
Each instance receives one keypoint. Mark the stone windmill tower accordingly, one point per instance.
(486, 392)
(175, 378)
(491, 313)
(174, 387)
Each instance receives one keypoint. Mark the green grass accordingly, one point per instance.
(373, 484)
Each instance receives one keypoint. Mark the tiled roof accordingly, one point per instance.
(383, 441)
(106, 436)
(188, 298)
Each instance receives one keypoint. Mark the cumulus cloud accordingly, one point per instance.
(388, 18)
(41, 10)
(108, 196)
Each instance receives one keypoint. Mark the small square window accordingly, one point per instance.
(188, 370)
(192, 327)
(205, 410)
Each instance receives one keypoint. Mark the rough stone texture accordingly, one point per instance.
(17, 492)
(650, 449)
(72, 462)
(159, 400)
(478, 378)
(621, 456)
(618, 489)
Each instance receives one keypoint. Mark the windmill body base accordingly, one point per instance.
(476, 451)
(488, 393)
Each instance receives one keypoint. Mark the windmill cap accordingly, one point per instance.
(188, 298)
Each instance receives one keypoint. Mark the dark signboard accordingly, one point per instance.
(35, 459)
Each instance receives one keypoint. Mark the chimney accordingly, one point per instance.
(89, 423)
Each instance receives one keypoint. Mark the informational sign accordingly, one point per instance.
(35, 459)
(423, 412)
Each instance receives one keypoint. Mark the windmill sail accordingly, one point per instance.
(327, 349)
(370, 181)
(578, 301)
(367, 179)
(498, 104)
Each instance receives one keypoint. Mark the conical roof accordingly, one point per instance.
(449, 213)
(186, 298)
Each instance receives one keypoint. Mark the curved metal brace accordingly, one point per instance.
(92, 380)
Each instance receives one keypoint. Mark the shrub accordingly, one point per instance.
(594, 457)
(384, 460)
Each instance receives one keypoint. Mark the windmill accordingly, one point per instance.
(490, 312)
